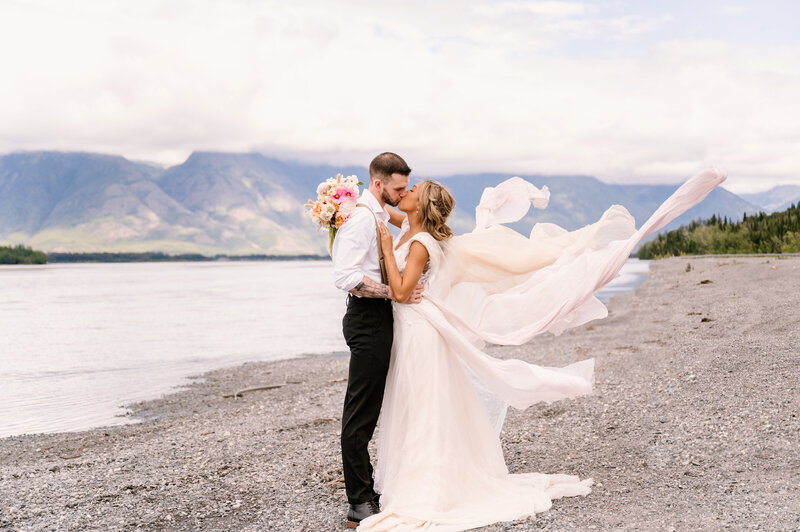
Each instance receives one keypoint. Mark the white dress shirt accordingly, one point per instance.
(355, 248)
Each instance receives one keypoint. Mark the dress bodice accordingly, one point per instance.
(430, 243)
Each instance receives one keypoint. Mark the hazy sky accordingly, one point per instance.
(636, 91)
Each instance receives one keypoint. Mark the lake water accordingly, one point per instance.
(78, 341)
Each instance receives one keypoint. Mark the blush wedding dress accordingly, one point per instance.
(440, 465)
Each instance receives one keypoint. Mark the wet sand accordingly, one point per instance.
(694, 424)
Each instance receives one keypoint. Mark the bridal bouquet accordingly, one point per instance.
(336, 201)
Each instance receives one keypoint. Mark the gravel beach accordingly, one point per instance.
(694, 424)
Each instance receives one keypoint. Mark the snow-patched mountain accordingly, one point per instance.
(775, 199)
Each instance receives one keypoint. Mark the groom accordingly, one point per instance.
(367, 324)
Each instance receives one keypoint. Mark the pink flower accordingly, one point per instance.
(341, 194)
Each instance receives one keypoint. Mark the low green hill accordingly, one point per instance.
(21, 255)
(778, 232)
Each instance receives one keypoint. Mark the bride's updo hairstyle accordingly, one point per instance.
(435, 205)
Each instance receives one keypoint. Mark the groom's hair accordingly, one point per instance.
(386, 164)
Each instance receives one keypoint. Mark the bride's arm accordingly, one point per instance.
(395, 217)
(403, 285)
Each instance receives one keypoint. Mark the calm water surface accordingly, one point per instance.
(78, 341)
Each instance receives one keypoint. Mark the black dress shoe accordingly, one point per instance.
(360, 511)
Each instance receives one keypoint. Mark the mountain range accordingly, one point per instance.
(775, 199)
(247, 203)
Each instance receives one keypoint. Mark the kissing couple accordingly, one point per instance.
(418, 314)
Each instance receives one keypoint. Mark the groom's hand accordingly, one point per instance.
(416, 295)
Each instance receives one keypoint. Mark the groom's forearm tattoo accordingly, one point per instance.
(369, 288)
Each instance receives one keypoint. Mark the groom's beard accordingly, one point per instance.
(386, 199)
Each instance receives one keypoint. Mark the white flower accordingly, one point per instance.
(327, 210)
(347, 207)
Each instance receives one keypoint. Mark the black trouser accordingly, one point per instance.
(367, 327)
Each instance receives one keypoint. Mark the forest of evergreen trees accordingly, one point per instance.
(778, 232)
(21, 255)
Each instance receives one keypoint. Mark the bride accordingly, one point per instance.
(440, 463)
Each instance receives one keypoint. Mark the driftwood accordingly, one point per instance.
(334, 478)
(253, 389)
(272, 387)
(337, 483)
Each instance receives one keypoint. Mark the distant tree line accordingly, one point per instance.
(778, 232)
(21, 255)
(163, 257)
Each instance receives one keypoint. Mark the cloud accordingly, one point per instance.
(735, 9)
(454, 89)
(545, 9)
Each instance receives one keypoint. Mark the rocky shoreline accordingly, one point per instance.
(694, 424)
